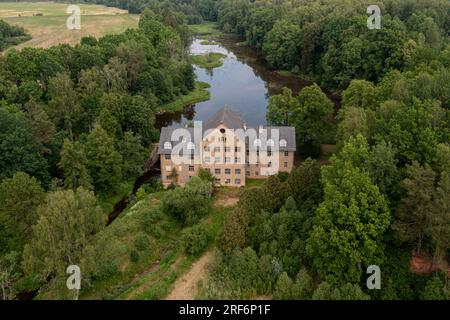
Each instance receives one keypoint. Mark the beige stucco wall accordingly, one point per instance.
(216, 139)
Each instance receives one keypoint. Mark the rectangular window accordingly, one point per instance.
(237, 149)
(256, 173)
(191, 168)
(207, 159)
(247, 173)
(237, 181)
(285, 164)
(237, 171)
(207, 148)
(208, 169)
(286, 153)
(227, 160)
(217, 171)
(167, 156)
(217, 181)
(227, 181)
(227, 149)
(237, 160)
(269, 164)
(227, 171)
(269, 153)
(216, 149)
(168, 177)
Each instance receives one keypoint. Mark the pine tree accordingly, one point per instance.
(283, 289)
(438, 218)
(104, 162)
(411, 218)
(19, 198)
(73, 164)
(133, 155)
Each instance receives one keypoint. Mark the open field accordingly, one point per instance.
(46, 22)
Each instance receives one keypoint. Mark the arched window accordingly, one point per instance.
(167, 145)
(257, 143)
(190, 145)
(270, 143)
(283, 143)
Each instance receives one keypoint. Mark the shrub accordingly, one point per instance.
(206, 175)
(140, 194)
(149, 220)
(141, 242)
(195, 240)
(134, 256)
(189, 204)
(108, 268)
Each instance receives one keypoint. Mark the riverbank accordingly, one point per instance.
(199, 94)
(207, 30)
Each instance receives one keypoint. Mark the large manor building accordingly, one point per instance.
(228, 149)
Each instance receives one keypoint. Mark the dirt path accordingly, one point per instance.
(185, 287)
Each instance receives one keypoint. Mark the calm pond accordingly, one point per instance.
(244, 82)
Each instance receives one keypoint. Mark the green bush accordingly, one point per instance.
(195, 240)
(189, 204)
(134, 256)
(108, 268)
(149, 220)
(141, 242)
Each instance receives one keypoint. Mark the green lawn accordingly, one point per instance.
(252, 183)
(199, 94)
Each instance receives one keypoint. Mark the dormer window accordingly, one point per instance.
(270, 143)
(283, 143)
(222, 130)
(257, 143)
(167, 145)
(191, 146)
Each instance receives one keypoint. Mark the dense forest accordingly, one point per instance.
(11, 35)
(79, 118)
(75, 122)
(385, 193)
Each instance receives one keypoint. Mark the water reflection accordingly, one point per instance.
(244, 82)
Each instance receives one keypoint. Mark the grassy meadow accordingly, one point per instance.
(46, 21)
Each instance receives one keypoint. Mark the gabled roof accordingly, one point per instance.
(285, 133)
(231, 120)
(225, 116)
